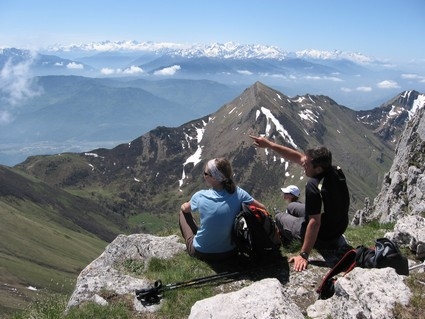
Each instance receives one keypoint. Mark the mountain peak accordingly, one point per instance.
(386, 120)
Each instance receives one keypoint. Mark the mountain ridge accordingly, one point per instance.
(229, 49)
(170, 156)
(140, 184)
(350, 78)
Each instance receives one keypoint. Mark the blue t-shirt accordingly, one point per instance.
(217, 211)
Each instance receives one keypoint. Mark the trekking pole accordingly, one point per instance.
(421, 265)
(152, 295)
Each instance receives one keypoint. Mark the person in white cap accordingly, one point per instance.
(290, 222)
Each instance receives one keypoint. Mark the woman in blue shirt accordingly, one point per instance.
(217, 208)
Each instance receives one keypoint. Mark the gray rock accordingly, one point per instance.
(363, 293)
(264, 299)
(403, 187)
(409, 231)
(103, 274)
(268, 298)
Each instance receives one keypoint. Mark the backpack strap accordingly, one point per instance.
(345, 264)
(320, 185)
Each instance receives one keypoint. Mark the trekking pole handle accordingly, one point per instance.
(417, 266)
(156, 287)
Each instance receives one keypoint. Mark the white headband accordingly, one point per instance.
(215, 173)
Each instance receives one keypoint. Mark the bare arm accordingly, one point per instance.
(311, 232)
(185, 208)
(258, 204)
(309, 240)
(286, 152)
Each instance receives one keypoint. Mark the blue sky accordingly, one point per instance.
(385, 29)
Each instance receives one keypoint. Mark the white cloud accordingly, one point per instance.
(16, 82)
(388, 84)
(5, 117)
(107, 71)
(280, 76)
(413, 76)
(74, 65)
(133, 70)
(276, 76)
(364, 89)
(358, 89)
(244, 72)
(129, 71)
(327, 78)
(168, 71)
(409, 76)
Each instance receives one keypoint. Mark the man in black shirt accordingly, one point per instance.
(327, 200)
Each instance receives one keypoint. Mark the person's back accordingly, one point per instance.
(296, 209)
(217, 208)
(217, 211)
(328, 193)
(336, 202)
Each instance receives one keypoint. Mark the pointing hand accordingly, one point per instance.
(260, 141)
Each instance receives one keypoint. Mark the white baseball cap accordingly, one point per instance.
(291, 189)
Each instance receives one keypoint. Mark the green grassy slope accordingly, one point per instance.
(47, 237)
(38, 252)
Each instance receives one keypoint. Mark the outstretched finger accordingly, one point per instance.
(256, 140)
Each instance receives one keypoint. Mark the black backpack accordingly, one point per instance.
(255, 232)
(385, 254)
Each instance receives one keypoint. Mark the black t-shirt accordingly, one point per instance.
(336, 202)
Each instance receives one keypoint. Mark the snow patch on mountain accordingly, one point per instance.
(279, 127)
(418, 103)
(196, 157)
(334, 55)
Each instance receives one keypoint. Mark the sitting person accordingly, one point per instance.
(327, 202)
(217, 208)
(291, 221)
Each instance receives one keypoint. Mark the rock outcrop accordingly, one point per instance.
(363, 293)
(262, 299)
(402, 196)
(106, 272)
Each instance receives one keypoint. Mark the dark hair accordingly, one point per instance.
(320, 156)
(224, 166)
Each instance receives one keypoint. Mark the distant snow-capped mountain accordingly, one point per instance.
(353, 79)
(217, 50)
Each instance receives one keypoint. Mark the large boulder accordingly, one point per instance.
(363, 293)
(294, 297)
(409, 232)
(104, 272)
(264, 299)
